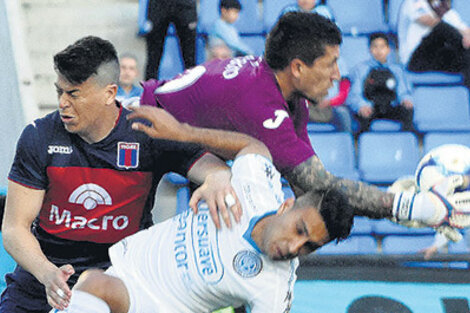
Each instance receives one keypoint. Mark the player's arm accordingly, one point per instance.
(209, 170)
(22, 207)
(227, 144)
(439, 206)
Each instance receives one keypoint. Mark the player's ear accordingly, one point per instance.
(286, 206)
(296, 67)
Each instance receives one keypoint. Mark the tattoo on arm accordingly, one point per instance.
(367, 200)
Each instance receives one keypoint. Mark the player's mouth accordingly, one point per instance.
(66, 118)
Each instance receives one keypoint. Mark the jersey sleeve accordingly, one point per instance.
(29, 164)
(272, 124)
(176, 156)
(257, 183)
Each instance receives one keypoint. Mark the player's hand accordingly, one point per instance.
(440, 207)
(219, 195)
(163, 124)
(57, 291)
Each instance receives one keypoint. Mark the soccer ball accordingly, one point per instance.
(440, 162)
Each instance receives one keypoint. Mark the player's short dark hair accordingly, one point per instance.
(334, 208)
(378, 35)
(300, 35)
(87, 57)
(230, 4)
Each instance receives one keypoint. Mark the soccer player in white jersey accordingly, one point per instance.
(185, 264)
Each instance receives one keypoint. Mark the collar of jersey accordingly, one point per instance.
(253, 221)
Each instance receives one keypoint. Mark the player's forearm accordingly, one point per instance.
(225, 143)
(21, 244)
(367, 200)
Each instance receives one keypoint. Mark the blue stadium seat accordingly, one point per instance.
(393, 11)
(320, 127)
(359, 16)
(463, 8)
(271, 11)
(288, 193)
(441, 109)
(362, 226)
(434, 79)
(459, 247)
(336, 151)
(143, 23)
(200, 49)
(385, 227)
(434, 139)
(355, 50)
(171, 63)
(249, 21)
(406, 244)
(382, 125)
(7, 264)
(386, 156)
(352, 245)
(256, 43)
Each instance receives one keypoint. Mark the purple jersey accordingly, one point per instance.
(242, 95)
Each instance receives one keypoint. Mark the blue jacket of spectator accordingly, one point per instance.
(123, 95)
(319, 9)
(221, 30)
(358, 75)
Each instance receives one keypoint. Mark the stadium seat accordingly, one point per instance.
(385, 227)
(171, 63)
(288, 192)
(336, 151)
(434, 79)
(463, 8)
(143, 23)
(249, 21)
(362, 226)
(392, 16)
(256, 43)
(359, 16)
(406, 244)
(382, 125)
(355, 50)
(386, 156)
(7, 264)
(200, 49)
(441, 109)
(434, 139)
(271, 11)
(320, 127)
(183, 193)
(352, 245)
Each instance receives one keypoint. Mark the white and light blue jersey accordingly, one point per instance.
(186, 265)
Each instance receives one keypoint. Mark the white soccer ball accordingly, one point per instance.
(440, 162)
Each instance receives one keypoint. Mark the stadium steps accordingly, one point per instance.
(51, 25)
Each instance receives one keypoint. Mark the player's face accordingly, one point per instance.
(380, 50)
(294, 232)
(82, 107)
(313, 82)
(129, 72)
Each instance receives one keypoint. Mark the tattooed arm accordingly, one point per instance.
(367, 200)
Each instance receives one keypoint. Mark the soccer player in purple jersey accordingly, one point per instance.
(266, 98)
(82, 180)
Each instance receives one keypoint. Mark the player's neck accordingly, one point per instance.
(103, 127)
(257, 234)
(284, 82)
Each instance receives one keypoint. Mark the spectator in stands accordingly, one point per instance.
(309, 6)
(183, 14)
(379, 88)
(219, 50)
(332, 109)
(128, 91)
(223, 29)
(433, 37)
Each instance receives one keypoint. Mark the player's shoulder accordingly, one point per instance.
(44, 126)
